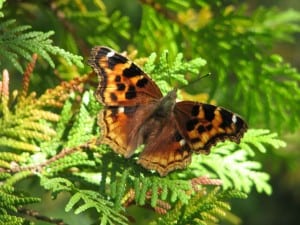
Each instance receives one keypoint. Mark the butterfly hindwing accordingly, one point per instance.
(121, 127)
(165, 149)
(203, 125)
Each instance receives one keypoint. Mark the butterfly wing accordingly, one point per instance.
(203, 125)
(165, 149)
(191, 127)
(121, 127)
(129, 96)
(122, 83)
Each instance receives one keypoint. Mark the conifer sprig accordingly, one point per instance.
(21, 42)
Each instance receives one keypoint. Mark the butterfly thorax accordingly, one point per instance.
(165, 106)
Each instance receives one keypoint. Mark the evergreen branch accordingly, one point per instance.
(94, 200)
(83, 200)
(11, 219)
(160, 9)
(260, 139)
(81, 130)
(42, 167)
(162, 71)
(57, 96)
(157, 194)
(74, 160)
(97, 19)
(233, 165)
(204, 208)
(9, 156)
(26, 76)
(10, 201)
(23, 122)
(18, 145)
(21, 42)
(61, 15)
(12, 180)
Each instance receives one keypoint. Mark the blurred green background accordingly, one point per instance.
(283, 206)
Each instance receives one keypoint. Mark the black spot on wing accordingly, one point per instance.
(131, 93)
(118, 78)
(132, 71)
(115, 59)
(209, 127)
(240, 124)
(113, 97)
(209, 111)
(121, 87)
(195, 140)
(99, 53)
(226, 117)
(195, 110)
(142, 82)
(201, 129)
(190, 125)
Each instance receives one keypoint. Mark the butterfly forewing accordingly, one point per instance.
(121, 81)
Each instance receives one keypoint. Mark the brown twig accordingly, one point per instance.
(204, 180)
(55, 97)
(5, 84)
(26, 76)
(39, 167)
(4, 93)
(38, 216)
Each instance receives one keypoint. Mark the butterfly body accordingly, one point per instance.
(136, 113)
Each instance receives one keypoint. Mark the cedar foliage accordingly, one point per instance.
(50, 139)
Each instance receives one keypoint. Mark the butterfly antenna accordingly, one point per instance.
(168, 67)
(194, 81)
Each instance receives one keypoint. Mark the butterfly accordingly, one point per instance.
(136, 113)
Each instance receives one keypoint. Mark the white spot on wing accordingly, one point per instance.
(121, 109)
(234, 119)
(110, 54)
(182, 142)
